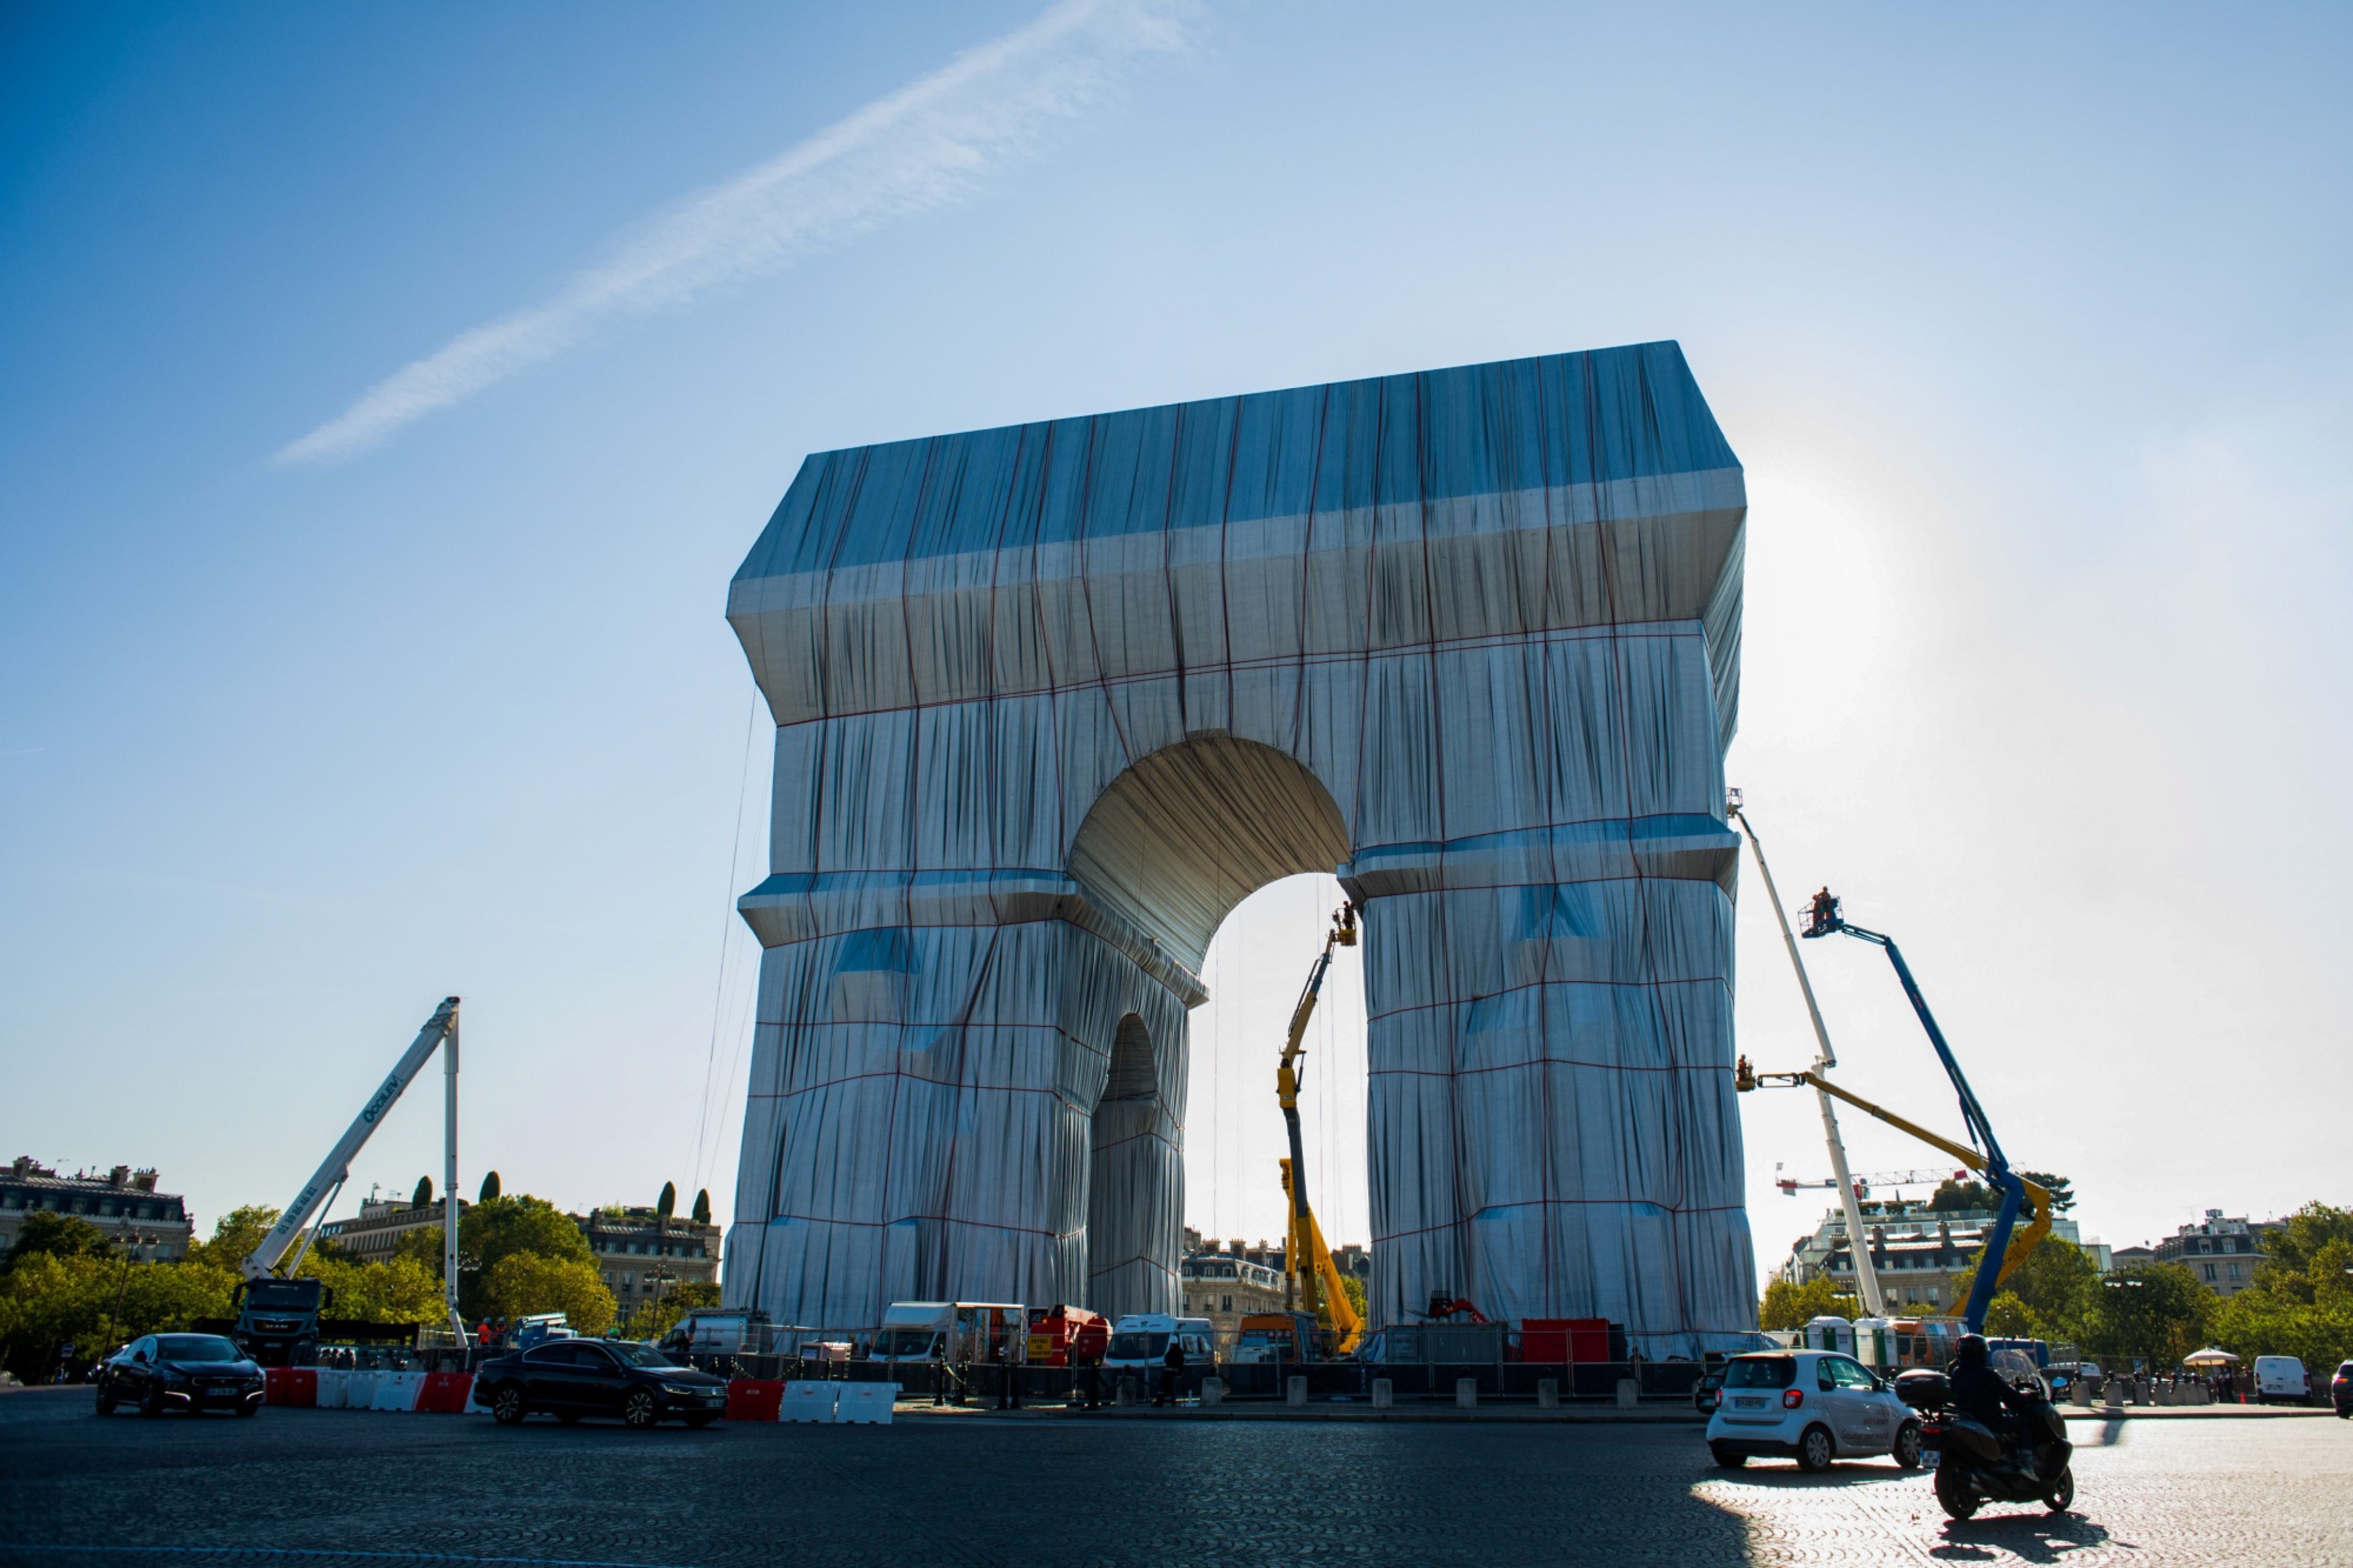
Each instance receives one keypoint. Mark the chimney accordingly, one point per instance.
(142, 1181)
(117, 1176)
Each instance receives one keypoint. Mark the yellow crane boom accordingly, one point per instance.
(2038, 1197)
(1311, 1281)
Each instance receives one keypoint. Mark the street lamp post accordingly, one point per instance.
(132, 1242)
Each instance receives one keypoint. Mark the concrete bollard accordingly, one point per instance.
(1630, 1394)
(2080, 1394)
(1547, 1394)
(2114, 1390)
(1466, 1394)
(1123, 1393)
(1213, 1392)
(1383, 1394)
(1295, 1392)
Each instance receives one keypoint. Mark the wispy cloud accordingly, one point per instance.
(930, 143)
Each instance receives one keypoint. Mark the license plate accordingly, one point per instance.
(1750, 1403)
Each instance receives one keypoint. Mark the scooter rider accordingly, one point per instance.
(1984, 1395)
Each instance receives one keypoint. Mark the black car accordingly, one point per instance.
(1708, 1392)
(572, 1378)
(194, 1373)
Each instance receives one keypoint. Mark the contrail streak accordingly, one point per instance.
(930, 143)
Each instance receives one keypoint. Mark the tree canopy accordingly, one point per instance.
(489, 1187)
(1790, 1306)
(702, 1206)
(423, 1195)
(666, 1205)
(46, 1235)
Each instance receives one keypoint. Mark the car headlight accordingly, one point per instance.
(685, 1390)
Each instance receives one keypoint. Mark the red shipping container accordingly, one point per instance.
(295, 1386)
(445, 1393)
(1560, 1342)
(754, 1398)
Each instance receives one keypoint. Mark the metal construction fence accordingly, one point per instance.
(992, 1382)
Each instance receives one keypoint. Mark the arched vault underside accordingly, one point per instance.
(1051, 699)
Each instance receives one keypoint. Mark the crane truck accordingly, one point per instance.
(1313, 1281)
(278, 1312)
(2017, 1194)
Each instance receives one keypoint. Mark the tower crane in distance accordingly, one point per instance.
(1312, 1282)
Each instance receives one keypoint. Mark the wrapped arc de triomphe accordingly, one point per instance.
(1050, 700)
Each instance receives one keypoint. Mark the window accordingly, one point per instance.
(2210, 1270)
(2234, 1271)
(1760, 1371)
(1229, 1306)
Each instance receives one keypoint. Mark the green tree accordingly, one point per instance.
(398, 1290)
(2007, 1318)
(1955, 1197)
(2156, 1311)
(654, 1318)
(44, 1234)
(488, 1232)
(2301, 1303)
(235, 1234)
(666, 1205)
(96, 1301)
(489, 1187)
(702, 1206)
(1788, 1306)
(423, 1196)
(524, 1282)
(2056, 1284)
(2061, 1190)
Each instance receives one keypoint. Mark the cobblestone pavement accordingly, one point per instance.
(307, 1489)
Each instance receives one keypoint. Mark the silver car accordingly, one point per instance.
(1813, 1406)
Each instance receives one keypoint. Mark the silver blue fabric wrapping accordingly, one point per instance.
(1050, 700)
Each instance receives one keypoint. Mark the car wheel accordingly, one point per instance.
(1906, 1453)
(638, 1409)
(1729, 1458)
(106, 1399)
(1952, 1494)
(1815, 1450)
(249, 1407)
(2061, 1495)
(154, 1403)
(507, 1405)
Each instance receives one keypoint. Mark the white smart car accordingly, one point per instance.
(1812, 1407)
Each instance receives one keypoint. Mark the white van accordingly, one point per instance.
(715, 1331)
(2280, 1379)
(1141, 1338)
(953, 1332)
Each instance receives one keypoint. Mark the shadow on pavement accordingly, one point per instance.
(2030, 1537)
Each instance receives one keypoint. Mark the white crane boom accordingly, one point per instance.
(1866, 1277)
(443, 1025)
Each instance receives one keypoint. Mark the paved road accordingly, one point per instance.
(300, 1488)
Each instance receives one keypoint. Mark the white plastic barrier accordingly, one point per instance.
(809, 1401)
(397, 1391)
(334, 1386)
(868, 1402)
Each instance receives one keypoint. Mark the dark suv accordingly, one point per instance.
(194, 1373)
(571, 1378)
(2340, 1390)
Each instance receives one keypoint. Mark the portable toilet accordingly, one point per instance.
(1829, 1334)
(1875, 1344)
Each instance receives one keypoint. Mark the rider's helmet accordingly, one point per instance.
(1970, 1351)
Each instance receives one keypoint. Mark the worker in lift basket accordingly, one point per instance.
(1172, 1372)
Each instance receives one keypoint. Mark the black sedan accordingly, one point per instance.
(194, 1373)
(572, 1378)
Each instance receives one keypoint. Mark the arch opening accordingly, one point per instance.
(1186, 833)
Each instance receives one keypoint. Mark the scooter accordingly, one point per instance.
(1975, 1465)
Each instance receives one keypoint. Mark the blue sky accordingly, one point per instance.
(2031, 329)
